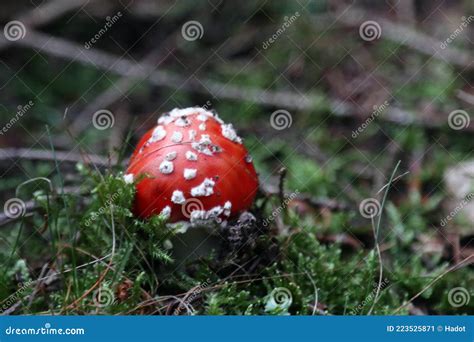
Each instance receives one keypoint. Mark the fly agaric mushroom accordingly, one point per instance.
(196, 169)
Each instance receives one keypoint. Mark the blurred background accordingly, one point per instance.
(335, 93)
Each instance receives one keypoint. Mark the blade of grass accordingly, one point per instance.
(376, 236)
(68, 220)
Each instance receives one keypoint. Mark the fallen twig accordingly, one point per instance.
(281, 99)
(62, 156)
(45, 13)
(465, 96)
(409, 37)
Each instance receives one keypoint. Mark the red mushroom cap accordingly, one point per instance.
(196, 168)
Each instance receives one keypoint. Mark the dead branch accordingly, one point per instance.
(62, 156)
(406, 11)
(281, 99)
(30, 207)
(50, 11)
(46, 13)
(465, 96)
(72, 51)
(410, 38)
